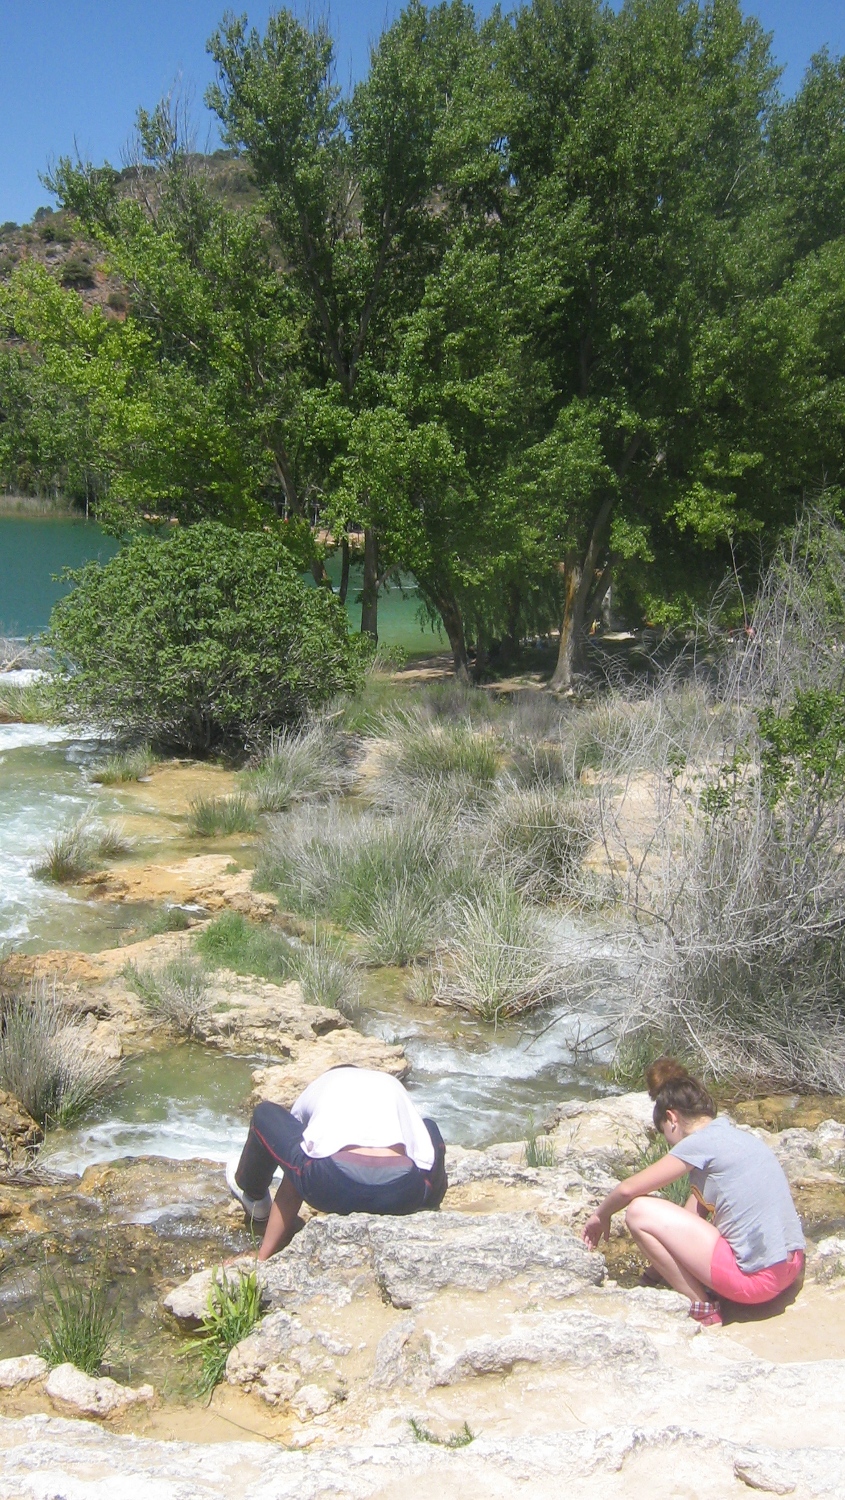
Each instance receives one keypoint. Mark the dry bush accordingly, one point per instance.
(176, 993)
(46, 1059)
(537, 836)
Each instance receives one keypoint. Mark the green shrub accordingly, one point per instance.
(234, 1308)
(45, 1060)
(78, 273)
(400, 925)
(420, 755)
(216, 817)
(177, 993)
(125, 765)
(76, 1316)
(232, 942)
(168, 919)
(203, 637)
(540, 837)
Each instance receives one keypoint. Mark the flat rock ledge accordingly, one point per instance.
(43, 1456)
(93, 1396)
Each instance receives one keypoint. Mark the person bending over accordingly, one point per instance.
(753, 1249)
(352, 1143)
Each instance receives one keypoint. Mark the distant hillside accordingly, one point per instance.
(57, 241)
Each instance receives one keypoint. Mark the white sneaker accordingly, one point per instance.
(258, 1210)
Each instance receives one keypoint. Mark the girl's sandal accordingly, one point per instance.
(708, 1314)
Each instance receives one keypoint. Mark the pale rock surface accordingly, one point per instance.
(252, 1015)
(827, 1261)
(94, 1396)
(282, 1084)
(46, 1457)
(603, 1131)
(21, 1371)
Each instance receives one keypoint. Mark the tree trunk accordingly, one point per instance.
(344, 570)
(450, 614)
(570, 626)
(579, 579)
(369, 591)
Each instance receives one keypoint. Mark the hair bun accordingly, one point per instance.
(664, 1070)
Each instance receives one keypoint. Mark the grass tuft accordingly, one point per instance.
(497, 963)
(459, 1439)
(326, 975)
(675, 1192)
(168, 919)
(75, 850)
(26, 702)
(539, 837)
(234, 1308)
(176, 993)
(76, 1317)
(125, 765)
(217, 817)
(539, 1151)
(45, 1060)
(300, 765)
(232, 942)
(419, 756)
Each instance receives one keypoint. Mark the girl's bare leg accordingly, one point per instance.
(281, 1224)
(679, 1244)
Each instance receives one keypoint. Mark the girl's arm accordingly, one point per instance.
(659, 1175)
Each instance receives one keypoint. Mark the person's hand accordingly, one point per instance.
(597, 1225)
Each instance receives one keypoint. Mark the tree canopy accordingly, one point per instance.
(547, 304)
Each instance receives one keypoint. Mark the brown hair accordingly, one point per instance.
(672, 1087)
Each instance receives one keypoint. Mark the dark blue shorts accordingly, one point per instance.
(275, 1139)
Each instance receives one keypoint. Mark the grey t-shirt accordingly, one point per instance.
(744, 1181)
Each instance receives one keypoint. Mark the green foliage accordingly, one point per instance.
(539, 1151)
(218, 817)
(168, 919)
(497, 961)
(77, 1315)
(326, 975)
(125, 765)
(420, 755)
(232, 942)
(461, 1438)
(234, 1308)
(804, 746)
(540, 837)
(674, 1192)
(298, 766)
(25, 703)
(201, 638)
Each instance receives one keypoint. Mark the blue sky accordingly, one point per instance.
(73, 72)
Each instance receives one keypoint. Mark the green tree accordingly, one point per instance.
(199, 639)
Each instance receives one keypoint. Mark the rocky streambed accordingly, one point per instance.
(480, 1350)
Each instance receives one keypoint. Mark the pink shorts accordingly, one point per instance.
(727, 1280)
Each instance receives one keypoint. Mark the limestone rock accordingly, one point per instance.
(580, 1339)
(827, 1261)
(251, 1015)
(608, 1131)
(93, 1396)
(21, 1371)
(311, 1401)
(267, 1345)
(410, 1259)
(20, 1135)
(390, 1366)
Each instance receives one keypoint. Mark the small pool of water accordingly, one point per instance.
(185, 1101)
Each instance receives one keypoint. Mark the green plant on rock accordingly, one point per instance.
(461, 1438)
(538, 1151)
(298, 766)
(75, 850)
(77, 1315)
(326, 975)
(675, 1192)
(233, 942)
(498, 961)
(176, 993)
(125, 765)
(232, 1311)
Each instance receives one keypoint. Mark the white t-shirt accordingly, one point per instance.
(359, 1107)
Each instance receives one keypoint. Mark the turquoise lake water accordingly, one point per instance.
(34, 551)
